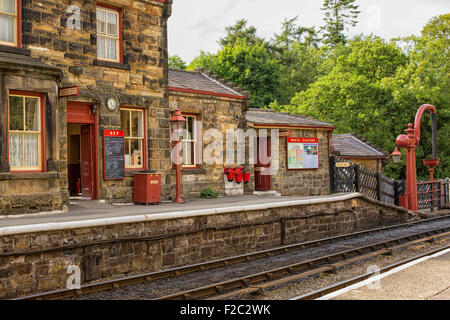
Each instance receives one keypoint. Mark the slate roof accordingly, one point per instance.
(199, 81)
(270, 117)
(351, 145)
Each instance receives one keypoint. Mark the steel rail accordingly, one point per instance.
(346, 283)
(330, 263)
(175, 272)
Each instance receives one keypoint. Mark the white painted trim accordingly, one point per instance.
(52, 226)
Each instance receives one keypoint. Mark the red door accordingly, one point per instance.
(262, 168)
(86, 161)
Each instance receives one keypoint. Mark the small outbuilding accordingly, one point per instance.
(360, 151)
(301, 165)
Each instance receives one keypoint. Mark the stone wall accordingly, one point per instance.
(38, 261)
(311, 182)
(32, 192)
(213, 112)
(139, 80)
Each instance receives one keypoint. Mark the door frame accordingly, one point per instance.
(268, 185)
(81, 113)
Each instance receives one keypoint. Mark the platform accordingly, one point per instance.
(100, 213)
(427, 279)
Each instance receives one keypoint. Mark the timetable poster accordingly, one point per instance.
(302, 153)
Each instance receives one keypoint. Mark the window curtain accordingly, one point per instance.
(15, 149)
(6, 28)
(31, 150)
(111, 49)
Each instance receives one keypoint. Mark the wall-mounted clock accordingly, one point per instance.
(112, 104)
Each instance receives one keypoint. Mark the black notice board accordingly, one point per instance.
(114, 155)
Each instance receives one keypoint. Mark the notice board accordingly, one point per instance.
(113, 154)
(302, 153)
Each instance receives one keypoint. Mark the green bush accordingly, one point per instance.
(209, 194)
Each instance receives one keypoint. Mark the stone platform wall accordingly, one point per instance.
(38, 261)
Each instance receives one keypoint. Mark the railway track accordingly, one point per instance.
(274, 275)
(260, 281)
(347, 283)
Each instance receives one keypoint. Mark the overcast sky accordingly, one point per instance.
(197, 24)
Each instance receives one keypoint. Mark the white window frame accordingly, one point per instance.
(193, 140)
(24, 131)
(105, 35)
(131, 137)
(15, 24)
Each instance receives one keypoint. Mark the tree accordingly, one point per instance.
(425, 80)
(339, 15)
(240, 31)
(353, 96)
(204, 60)
(296, 49)
(292, 34)
(300, 66)
(250, 66)
(176, 62)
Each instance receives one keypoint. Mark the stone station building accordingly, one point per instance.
(69, 70)
(73, 73)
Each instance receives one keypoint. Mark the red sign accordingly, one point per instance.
(113, 133)
(303, 140)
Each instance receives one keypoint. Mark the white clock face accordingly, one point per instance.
(112, 104)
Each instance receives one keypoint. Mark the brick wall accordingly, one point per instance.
(106, 252)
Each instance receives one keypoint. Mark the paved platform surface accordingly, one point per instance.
(427, 280)
(80, 210)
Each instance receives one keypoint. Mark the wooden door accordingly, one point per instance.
(86, 161)
(262, 168)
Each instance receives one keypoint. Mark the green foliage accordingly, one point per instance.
(238, 32)
(209, 194)
(249, 66)
(339, 14)
(204, 60)
(375, 89)
(300, 59)
(365, 85)
(425, 80)
(176, 62)
(292, 34)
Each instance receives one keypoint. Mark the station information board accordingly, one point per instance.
(302, 153)
(113, 154)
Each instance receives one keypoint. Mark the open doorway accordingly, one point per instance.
(81, 151)
(74, 158)
(263, 164)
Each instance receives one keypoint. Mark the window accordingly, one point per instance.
(8, 22)
(25, 142)
(133, 126)
(190, 142)
(108, 34)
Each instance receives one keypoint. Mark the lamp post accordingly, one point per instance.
(396, 156)
(410, 142)
(178, 120)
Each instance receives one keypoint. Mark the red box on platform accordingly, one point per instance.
(147, 188)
